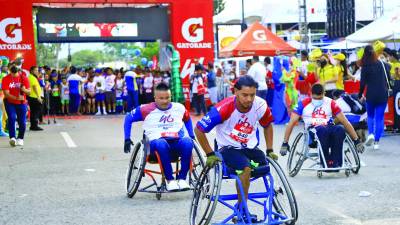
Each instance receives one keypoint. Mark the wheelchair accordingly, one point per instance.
(137, 169)
(276, 202)
(305, 148)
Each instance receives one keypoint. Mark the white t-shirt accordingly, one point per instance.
(110, 82)
(258, 72)
(100, 84)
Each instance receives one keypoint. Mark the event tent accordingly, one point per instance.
(344, 45)
(386, 27)
(257, 40)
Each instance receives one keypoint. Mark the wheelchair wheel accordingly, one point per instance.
(136, 169)
(284, 201)
(297, 155)
(205, 195)
(198, 163)
(351, 157)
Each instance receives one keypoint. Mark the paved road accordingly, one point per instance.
(46, 182)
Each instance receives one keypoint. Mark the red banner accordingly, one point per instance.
(16, 31)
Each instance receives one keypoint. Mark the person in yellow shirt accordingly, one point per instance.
(342, 71)
(327, 75)
(3, 115)
(394, 64)
(35, 100)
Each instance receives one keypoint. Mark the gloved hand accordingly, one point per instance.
(272, 154)
(212, 159)
(127, 145)
(359, 146)
(284, 149)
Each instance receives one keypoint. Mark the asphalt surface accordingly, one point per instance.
(47, 182)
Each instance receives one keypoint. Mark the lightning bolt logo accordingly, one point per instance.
(10, 30)
(193, 28)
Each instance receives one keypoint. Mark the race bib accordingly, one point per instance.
(241, 132)
(148, 90)
(169, 134)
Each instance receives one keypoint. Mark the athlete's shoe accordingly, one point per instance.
(13, 142)
(172, 185)
(20, 142)
(376, 146)
(183, 185)
(370, 140)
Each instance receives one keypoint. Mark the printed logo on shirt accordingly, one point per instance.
(166, 118)
(319, 117)
(242, 130)
(15, 85)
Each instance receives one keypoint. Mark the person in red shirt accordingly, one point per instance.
(16, 86)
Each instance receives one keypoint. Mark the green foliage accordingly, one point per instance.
(219, 5)
(46, 54)
(124, 51)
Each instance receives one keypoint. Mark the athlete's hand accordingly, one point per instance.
(272, 154)
(359, 146)
(212, 159)
(284, 149)
(127, 145)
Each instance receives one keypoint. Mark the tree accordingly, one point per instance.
(47, 54)
(88, 58)
(219, 6)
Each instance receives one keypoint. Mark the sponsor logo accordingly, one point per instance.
(11, 33)
(260, 37)
(166, 119)
(193, 32)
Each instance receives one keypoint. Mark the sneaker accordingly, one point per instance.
(13, 142)
(20, 142)
(36, 128)
(370, 140)
(172, 185)
(376, 146)
(183, 185)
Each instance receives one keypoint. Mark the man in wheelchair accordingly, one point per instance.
(319, 112)
(163, 123)
(236, 122)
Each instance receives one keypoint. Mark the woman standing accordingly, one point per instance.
(374, 77)
(327, 75)
(16, 86)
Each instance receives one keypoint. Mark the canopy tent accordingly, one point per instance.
(386, 27)
(344, 45)
(298, 45)
(257, 40)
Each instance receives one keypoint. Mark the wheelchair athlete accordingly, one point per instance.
(163, 125)
(318, 112)
(236, 122)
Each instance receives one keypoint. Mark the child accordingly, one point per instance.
(100, 88)
(55, 99)
(119, 87)
(90, 93)
(64, 96)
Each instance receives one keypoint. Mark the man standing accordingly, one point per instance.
(211, 84)
(74, 82)
(258, 72)
(34, 99)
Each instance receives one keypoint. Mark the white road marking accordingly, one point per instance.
(68, 140)
(90, 170)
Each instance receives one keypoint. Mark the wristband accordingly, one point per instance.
(210, 154)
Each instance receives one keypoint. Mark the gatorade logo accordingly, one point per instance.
(259, 35)
(10, 30)
(192, 30)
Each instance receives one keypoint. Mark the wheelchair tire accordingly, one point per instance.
(206, 192)
(135, 171)
(351, 156)
(198, 164)
(283, 193)
(294, 164)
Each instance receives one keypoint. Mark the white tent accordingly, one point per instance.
(386, 27)
(298, 45)
(344, 45)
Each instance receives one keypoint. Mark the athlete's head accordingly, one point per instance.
(317, 92)
(245, 91)
(162, 95)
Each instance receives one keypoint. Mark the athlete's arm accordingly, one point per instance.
(203, 141)
(349, 128)
(131, 117)
(269, 136)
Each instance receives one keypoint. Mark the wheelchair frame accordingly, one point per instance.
(267, 199)
(140, 155)
(319, 166)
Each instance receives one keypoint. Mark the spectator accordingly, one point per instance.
(34, 99)
(212, 84)
(270, 81)
(110, 91)
(374, 77)
(148, 83)
(55, 98)
(328, 75)
(198, 90)
(16, 86)
(258, 72)
(3, 73)
(64, 96)
(74, 83)
(100, 88)
(90, 93)
(132, 97)
(119, 89)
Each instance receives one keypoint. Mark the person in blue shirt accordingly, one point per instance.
(74, 83)
(212, 84)
(133, 91)
(163, 123)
